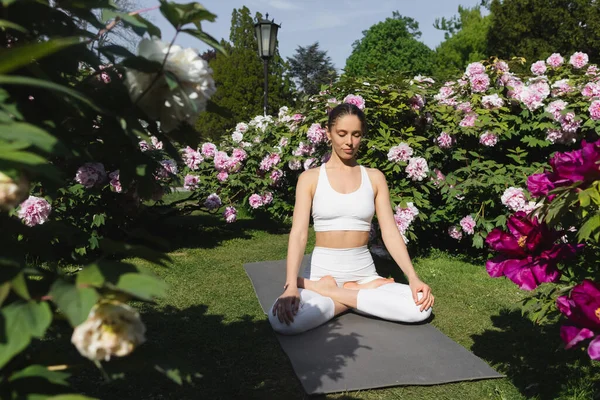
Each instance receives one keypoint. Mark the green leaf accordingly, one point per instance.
(116, 50)
(152, 29)
(19, 322)
(44, 84)
(22, 55)
(75, 302)
(40, 371)
(588, 228)
(169, 11)
(70, 397)
(19, 286)
(11, 25)
(33, 135)
(4, 291)
(98, 219)
(141, 64)
(182, 14)
(206, 38)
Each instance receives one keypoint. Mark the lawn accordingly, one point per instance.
(209, 332)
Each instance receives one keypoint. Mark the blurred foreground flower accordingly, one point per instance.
(112, 329)
(11, 192)
(161, 102)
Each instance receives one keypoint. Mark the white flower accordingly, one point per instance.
(171, 106)
(237, 136)
(111, 329)
(12, 193)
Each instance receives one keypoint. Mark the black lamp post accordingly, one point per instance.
(266, 35)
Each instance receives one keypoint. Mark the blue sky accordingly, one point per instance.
(335, 24)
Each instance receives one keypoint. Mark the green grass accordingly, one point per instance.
(211, 329)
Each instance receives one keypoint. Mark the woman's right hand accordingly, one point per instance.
(287, 305)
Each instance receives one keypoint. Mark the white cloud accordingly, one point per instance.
(284, 5)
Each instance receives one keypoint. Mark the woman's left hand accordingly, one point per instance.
(427, 299)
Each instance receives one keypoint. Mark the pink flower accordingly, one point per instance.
(156, 143)
(591, 89)
(555, 60)
(531, 98)
(439, 177)
(144, 145)
(269, 161)
(468, 120)
(401, 152)
(592, 70)
(558, 136)
(115, 183)
(578, 60)
(255, 201)
(444, 140)
(298, 117)
(561, 87)
(569, 123)
(357, 100)
(501, 66)
(34, 211)
(479, 83)
(295, 164)
(464, 107)
(309, 163)
(454, 232)
(230, 214)
(221, 160)
(191, 158)
(556, 107)
(239, 155)
(267, 198)
(475, 68)
(190, 182)
(222, 176)
(417, 168)
(316, 134)
(514, 198)
(276, 175)
(283, 141)
(417, 102)
(241, 127)
(90, 174)
(169, 168)
(325, 157)
(208, 150)
(488, 139)
(404, 216)
(492, 101)
(595, 110)
(468, 225)
(212, 202)
(237, 136)
(538, 68)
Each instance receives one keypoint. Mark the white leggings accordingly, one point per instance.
(392, 301)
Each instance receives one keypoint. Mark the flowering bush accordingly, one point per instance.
(86, 136)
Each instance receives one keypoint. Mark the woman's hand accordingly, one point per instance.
(287, 305)
(427, 299)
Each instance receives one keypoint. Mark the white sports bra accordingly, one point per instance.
(334, 211)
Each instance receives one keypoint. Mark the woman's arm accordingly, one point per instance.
(288, 303)
(394, 243)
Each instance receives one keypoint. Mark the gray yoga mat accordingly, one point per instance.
(354, 352)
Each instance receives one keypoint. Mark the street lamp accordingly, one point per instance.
(266, 35)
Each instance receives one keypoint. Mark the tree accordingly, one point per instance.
(239, 78)
(391, 46)
(534, 29)
(466, 41)
(311, 68)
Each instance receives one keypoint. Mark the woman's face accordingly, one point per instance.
(345, 136)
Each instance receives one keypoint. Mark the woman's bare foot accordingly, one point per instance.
(322, 285)
(369, 285)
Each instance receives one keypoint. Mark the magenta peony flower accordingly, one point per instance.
(357, 100)
(577, 165)
(582, 309)
(579, 60)
(255, 200)
(230, 214)
(555, 60)
(90, 174)
(212, 202)
(34, 211)
(528, 255)
(401, 152)
(540, 184)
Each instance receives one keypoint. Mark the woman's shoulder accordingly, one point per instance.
(309, 177)
(374, 174)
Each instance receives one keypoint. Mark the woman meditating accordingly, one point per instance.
(344, 196)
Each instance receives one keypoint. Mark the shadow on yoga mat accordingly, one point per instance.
(354, 352)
